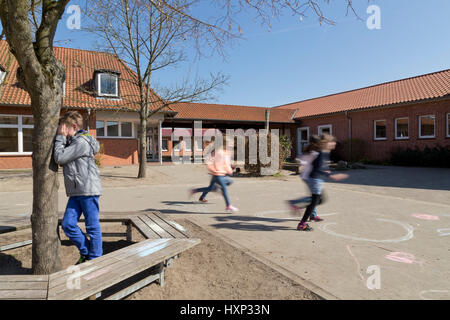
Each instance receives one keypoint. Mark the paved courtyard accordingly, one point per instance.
(386, 233)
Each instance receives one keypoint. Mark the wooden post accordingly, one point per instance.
(129, 231)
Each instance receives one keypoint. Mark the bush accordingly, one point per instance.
(285, 148)
(428, 157)
(98, 156)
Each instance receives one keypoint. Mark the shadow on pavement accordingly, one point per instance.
(246, 223)
(173, 211)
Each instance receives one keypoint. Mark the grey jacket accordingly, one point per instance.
(76, 156)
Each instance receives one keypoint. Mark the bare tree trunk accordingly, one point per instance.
(42, 76)
(44, 219)
(142, 146)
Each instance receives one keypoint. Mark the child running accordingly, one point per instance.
(74, 151)
(316, 165)
(219, 166)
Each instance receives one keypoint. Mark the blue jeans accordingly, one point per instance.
(88, 205)
(223, 182)
(315, 187)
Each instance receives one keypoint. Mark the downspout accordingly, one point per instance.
(267, 119)
(349, 136)
(89, 117)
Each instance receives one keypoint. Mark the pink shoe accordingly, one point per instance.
(231, 209)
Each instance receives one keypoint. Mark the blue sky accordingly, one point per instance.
(302, 60)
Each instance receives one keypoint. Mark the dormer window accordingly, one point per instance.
(107, 83)
(2, 75)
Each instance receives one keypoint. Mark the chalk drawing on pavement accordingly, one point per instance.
(425, 292)
(409, 232)
(444, 232)
(425, 216)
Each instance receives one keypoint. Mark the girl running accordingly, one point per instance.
(318, 155)
(220, 167)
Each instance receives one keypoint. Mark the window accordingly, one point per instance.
(126, 129)
(107, 84)
(379, 129)
(2, 75)
(100, 125)
(448, 125)
(426, 126)
(324, 129)
(114, 129)
(401, 128)
(16, 134)
(303, 139)
(165, 145)
(176, 145)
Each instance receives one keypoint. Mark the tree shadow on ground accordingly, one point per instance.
(9, 265)
(173, 211)
(108, 246)
(180, 203)
(247, 223)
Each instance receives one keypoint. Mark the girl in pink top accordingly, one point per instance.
(219, 166)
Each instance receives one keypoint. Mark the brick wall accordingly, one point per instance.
(363, 127)
(117, 151)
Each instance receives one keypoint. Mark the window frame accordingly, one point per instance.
(300, 141)
(324, 126)
(375, 130)
(19, 126)
(162, 148)
(133, 135)
(420, 126)
(395, 128)
(99, 85)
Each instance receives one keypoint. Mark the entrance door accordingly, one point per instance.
(302, 139)
(152, 144)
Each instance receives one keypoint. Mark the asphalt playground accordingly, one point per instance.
(385, 234)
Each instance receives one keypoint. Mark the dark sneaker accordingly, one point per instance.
(316, 219)
(82, 259)
(203, 200)
(304, 227)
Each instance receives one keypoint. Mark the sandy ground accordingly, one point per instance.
(211, 270)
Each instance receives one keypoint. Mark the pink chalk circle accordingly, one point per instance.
(403, 257)
(425, 217)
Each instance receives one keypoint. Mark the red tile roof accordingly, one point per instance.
(207, 111)
(80, 66)
(428, 86)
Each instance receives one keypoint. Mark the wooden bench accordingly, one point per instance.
(109, 276)
(23, 287)
(89, 279)
(291, 165)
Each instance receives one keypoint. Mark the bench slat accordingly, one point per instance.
(166, 226)
(23, 294)
(22, 285)
(144, 229)
(173, 223)
(106, 260)
(126, 268)
(152, 225)
(25, 278)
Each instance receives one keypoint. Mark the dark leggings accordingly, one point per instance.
(316, 199)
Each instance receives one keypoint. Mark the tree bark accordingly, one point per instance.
(42, 76)
(142, 145)
(44, 219)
